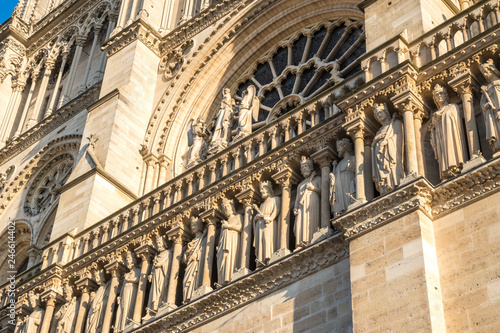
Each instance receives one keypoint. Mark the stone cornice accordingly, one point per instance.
(139, 30)
(49, 123)
(251, 287)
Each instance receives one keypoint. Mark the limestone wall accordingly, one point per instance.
(318, 303)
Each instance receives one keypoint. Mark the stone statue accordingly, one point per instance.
(447, 135)
(96, 311)
(248, 109)
(128, 294)
(343, 178)
(32, 323)
(222, 128)
(490, 103)
(336, 77)
(193, 258)
(228, 249)
(387, 150)
(307, 207)
(158, 277)
(195, 154)
(264, 223)
(67, 313)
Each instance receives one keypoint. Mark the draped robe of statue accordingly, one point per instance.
(229, 249)
(193, 260)
(222, 123)
(158, 291)
(96, 311)
(32, 323)
(387, 156)
(66, 316)
(492, 115)
(127, 298)
(308, 204)
(343, 181)
(249, 106)
(448, 140)
(264, 233)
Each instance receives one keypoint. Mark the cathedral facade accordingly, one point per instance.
(250, 166)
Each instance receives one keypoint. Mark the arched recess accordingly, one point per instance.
(14, 258)
(223, 59)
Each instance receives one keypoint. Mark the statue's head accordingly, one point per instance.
(161, 244)
(489, 70)
(228, 207)
(266, 189)
(440, 95)
(68, 292)
(99, 276)
(306, 166)
(33, 300)
(130, 260)
(345, 146)
(381, 112)
(196, 225)
(226, 92)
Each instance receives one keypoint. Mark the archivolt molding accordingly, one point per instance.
(178, 93)
(61, 146)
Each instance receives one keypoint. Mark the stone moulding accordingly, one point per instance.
(433, 201)
(251, 287)
(50, 123)
(139, 30)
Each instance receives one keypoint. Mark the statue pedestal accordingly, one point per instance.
(130, 326)
(472, 163)
(281, 253)
(408, 179)
(239, 273)
(321, 234)
(203, 290)
(355, 204)
(150, 313)
(165, 308)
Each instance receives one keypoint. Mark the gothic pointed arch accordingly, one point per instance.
(244, 41)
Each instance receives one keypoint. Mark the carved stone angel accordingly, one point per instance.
(193, 258)
(342, 179)
(96, 311)
(67, 313)
(198, 143)
(228, 249)
(222, 129)
(265, 227)
(387, 150)
(128, 293)
(248, 109)
(490, 103)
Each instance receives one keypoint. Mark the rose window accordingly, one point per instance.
(47, 184)
(304, 65)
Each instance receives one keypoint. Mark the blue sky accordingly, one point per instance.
(6, 8)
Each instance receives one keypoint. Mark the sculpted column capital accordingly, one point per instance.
(146, 252)
(212, 216)
(51, 297)
(86, 285)
(248, 197)
(408, 101)
(80, 40)
(464, 83)
(286, 176)
(324, 157)
(178, 235)
(115, 268)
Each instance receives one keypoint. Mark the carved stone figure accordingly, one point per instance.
(195, 155)
(387, 150)
(343, 178)
(490, 103)
(336, 77)
(222, 128)
(228, 249)
(96, 310)
(248, 109)
(128, 294)
(447, 135)
(158, 277)
(67, 313)
(307, 207)
(193, 258)
(265, 226)
(32, 323)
